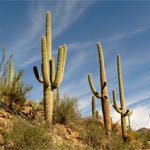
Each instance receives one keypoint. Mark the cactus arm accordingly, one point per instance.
(45, 65)
(48, 35)
(64, 61)
(115, 106)
(57, 82)
(92, 86)
(52, 69)
(128, 112)
(36, 73)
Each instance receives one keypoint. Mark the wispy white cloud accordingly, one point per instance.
(30, 60)
(126, 34)
(63, 15)
(79, 58)
(77, 88)
(67, 15)
(26, 42)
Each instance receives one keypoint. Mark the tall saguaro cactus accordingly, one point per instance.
(104, 93)
(50, 80)
(121, 110)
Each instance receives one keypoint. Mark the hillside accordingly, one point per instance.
(26, 131)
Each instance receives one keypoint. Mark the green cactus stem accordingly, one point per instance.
(93, 107)
(103, 95)
(121, 110)
(50, 80)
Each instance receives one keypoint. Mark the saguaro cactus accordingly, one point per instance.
(93, 107)
(121, 110)
(104, 94)
(50, 80)
(129, 125)
(11, 74)
(97, 114)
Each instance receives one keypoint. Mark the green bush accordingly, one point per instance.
(67, 111)
(93, 134)
(27, 136)
(16, 95)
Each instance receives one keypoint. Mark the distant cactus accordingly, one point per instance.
(104, 93)
(129, 125)
(11, 74)
(50, 80)
(93, 107)
(121, 110)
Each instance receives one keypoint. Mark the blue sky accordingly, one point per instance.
(122, 27)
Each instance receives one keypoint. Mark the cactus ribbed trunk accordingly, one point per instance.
(104, 93)
(106, 116)
(123, 126)
(48, 100)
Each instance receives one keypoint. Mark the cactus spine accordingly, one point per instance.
(104, 94)
(93, 107)
(50, 80)
(121, 110)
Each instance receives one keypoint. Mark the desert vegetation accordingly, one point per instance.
(56, 123)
